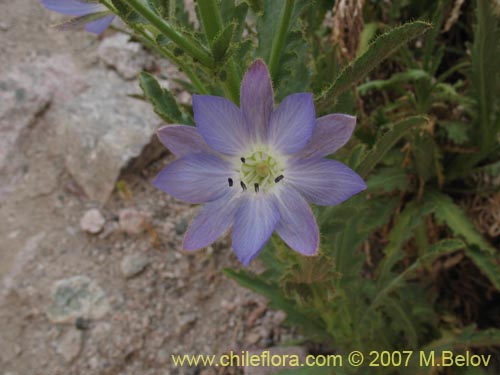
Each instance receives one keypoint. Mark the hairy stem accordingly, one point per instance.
(279, 38)
(191, 48)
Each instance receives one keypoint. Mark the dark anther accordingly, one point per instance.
(242, 160)
(256, 185)
(279, 178)
(243, 186)
(230, 180)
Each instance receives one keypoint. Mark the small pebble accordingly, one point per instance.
(132, 221)
(181, 227)
(92, 221)
(132, 265)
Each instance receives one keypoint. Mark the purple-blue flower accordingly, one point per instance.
(256, 168)
(96, 17)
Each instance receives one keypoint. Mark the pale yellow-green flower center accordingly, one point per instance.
(260, 171)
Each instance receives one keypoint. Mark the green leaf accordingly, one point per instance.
(387, 141)
(277, 300)
(163, 101)
(410, 75)
(126, 13)
(485, 54)
(384, 46)
(456, 131)
(403, 229)
(388, 179)
(161, 7)
(446, 211)
(488, 264)
(426, 156)
(470, 337)
(292, 65)
(222, 41)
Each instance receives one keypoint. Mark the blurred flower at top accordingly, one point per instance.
(257, 167)
(96, 17)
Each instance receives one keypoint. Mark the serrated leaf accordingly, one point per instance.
(126, 13)
(426, 156)
(388, 179)
(384, 46)
(488, 264)
(456, 131)
(403, 229)
(163, 101)
(386, 142)
(161, 7)
(277, 300)
(446, 211)
(222, 41)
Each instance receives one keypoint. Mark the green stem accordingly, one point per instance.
(213, 25)
(164, 27)
(279, 38)
(195, 80)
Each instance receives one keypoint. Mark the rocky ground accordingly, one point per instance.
(92, 279)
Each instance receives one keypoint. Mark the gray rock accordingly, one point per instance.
(132, 265)
(185, 321)
(132, 221)
(127, 58)
(103, 130)
(70, 345)
(77, 297)
(25, 93)
(92, 221)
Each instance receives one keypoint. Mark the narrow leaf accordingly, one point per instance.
(163, 101)
(384, 46)
(387, 141)
(448, 212)
(488, 264)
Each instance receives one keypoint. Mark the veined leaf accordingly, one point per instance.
(378, 51)
(446, 211)
(163, 101)
(386, 142)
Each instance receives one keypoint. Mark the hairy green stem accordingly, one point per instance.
(213, 25)
(164, 27)
(279, 38)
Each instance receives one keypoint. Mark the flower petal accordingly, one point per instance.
(330, 133)
(195, 178)
(324, 182)
(254, 223)
(98, 26)
(220, 123)
(213, 220)
(72, 7)
(297, 225)
(292, 123)
(182, 140)
(257, 100)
